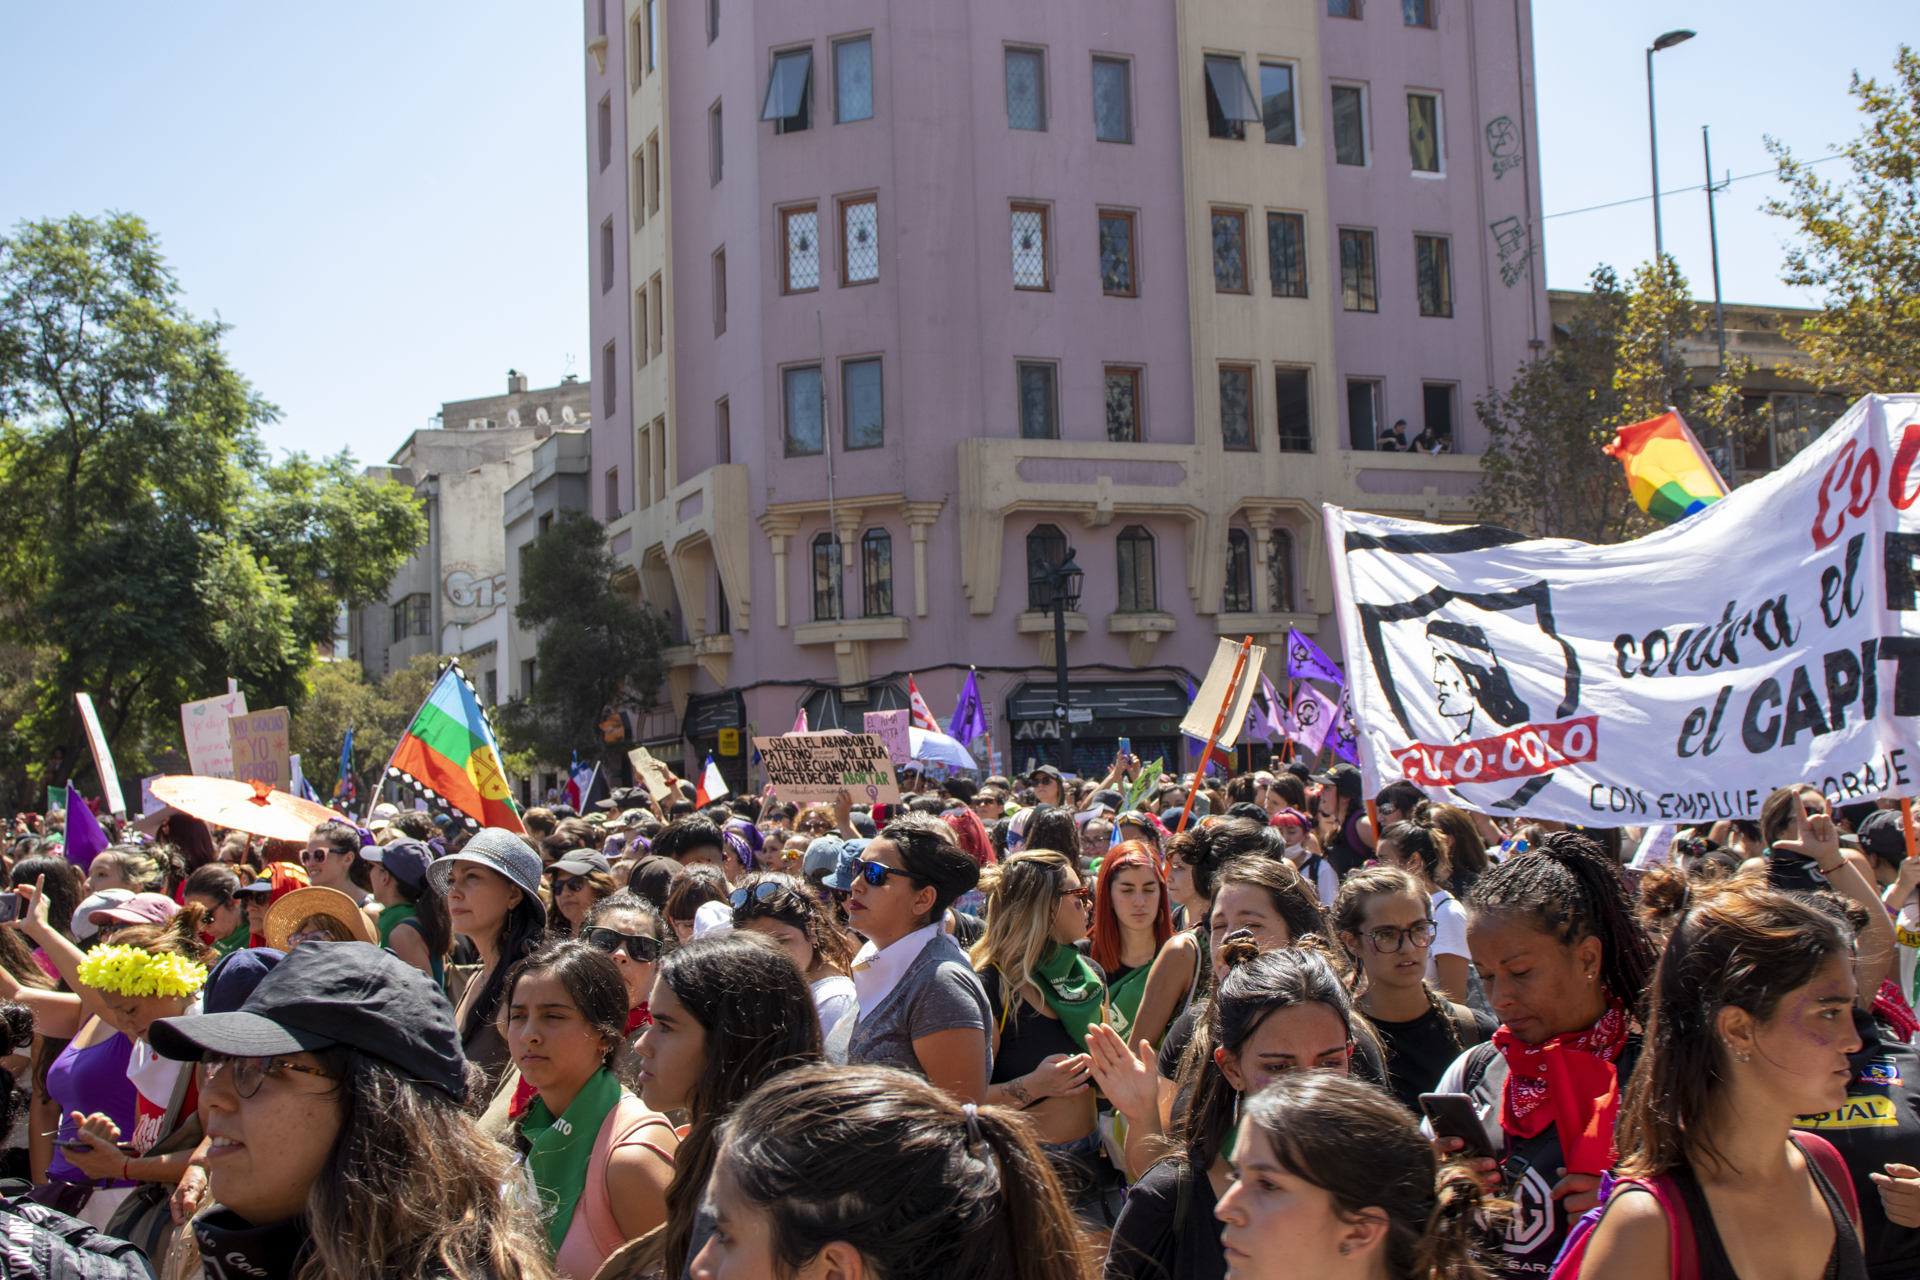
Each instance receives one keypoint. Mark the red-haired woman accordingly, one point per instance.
(1131, 922)
(972, 835)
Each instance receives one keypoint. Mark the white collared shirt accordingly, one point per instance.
(876, 972)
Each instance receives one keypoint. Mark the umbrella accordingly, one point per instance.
(253, 807)
(938, 747)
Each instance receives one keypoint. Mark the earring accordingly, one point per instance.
(1346, 1249)
(1589, 977)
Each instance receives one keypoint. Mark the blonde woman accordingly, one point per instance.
(1045, 995)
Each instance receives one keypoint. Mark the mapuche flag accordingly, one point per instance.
(449, 752)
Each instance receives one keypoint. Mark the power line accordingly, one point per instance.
(1677, 191)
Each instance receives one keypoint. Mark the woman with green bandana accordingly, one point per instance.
(598, 1159)
(1045, 996)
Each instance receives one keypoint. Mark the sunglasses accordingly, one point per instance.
(1084, 894)
(574, 885)
(818, 824)
(757, 893)
(876, 873)
(639, 947)
(314, 855)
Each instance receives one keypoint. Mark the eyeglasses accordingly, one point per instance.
(574, 885)
(1083, 893)
(639, 947)
(249, 1072)
(1387, 941)
(876, 873)
(756, 893)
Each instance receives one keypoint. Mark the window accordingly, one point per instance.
(713, 20)
(1239, 595)
(658, 434)
(613, 492)
(609, 371)
(1436, 403)
(1046, 547)
(853, 80)
(606, 255)
(1349, 124)
(1229, 251)
(1030, 246)
(653, 34)
(653, 174)
(790, 92)
(1417, 13)
(1343, 8)
(1358, 289)
(862, 417)
(722, 432)
(1280, 571)
(720, 291)
(1433, 275)
(716, 148)
(1039, 408)
(876, 574)
(860, 240)
(657, 296)
(605, 124)
(801, 254)
(826, 578)
(637, 42)
(1230, 103)
(804, 437)
(640, 187)
(1287, 254)
(1112, 100)
(527, 670)
(492, 686)
(1423, 131)
(1276, 103)
(722, 611)
(1026, 89)
(640, 314)
(1116, 254)
(643, 462)
(1363, 414)
(412, 616)
(1293, 410)
(1236, 406)
(1123, 405)
(1137, 588)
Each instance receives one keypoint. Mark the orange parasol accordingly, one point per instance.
(253, 807)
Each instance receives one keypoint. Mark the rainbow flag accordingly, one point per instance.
(1667, 470)
(449, 753)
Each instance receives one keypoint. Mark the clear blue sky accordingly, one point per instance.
(386, 200)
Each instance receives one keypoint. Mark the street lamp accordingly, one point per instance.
(1666, 41)
(1063, 582)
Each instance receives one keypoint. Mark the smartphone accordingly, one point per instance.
(9, 907)
(1126, 746)
(1452, 1115)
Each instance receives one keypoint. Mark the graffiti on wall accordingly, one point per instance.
(469, 586)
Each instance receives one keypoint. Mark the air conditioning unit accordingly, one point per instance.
(479, 424)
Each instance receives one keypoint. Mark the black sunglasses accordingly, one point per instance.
(639, 947)
(876, 873)
(756, 893)
(569, 886)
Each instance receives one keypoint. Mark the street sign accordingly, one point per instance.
(1080, 715)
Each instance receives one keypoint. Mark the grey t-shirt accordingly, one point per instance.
(938, 992)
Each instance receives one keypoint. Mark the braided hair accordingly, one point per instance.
(1570, 891)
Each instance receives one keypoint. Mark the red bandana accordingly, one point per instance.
(1569, 1082)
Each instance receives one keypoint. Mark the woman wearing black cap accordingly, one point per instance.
(342, 1057)
(493, 897)
(413, 919)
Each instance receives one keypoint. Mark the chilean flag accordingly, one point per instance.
(711, 786)
(922, 717)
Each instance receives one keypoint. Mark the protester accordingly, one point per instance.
(492, 887)
(413, 921)
(691, 840)
(1340, 817)
(331, 856)
(699, 884)
(1180, 973)
(1421, 847)
(784, 909)
(276, 881)
(215, 889)
(1131, 922)
(316, 914)
(1048, 787)
(126, 867)
(578, 880)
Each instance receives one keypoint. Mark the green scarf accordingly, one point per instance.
(1073, 988)
(1124, 997)
(558, 1150)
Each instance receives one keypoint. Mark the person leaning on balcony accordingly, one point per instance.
(1394, 439)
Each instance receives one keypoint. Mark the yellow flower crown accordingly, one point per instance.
(133, 971)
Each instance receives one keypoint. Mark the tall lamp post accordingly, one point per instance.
(1666, 41)
(1063, 582)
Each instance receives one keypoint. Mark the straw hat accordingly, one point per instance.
(315, 900)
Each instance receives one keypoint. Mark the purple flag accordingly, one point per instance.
(1311, 717)
(1306, 662)
(1344, 737)
(1268, 721)
(84, 838)
(969, 717)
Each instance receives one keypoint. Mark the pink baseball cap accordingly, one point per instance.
(141, 908)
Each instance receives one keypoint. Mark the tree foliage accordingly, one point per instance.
(1861, 241)
(599, 649)
(338, 695)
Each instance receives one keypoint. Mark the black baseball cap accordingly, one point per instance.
(1343, 778)
(1880, 832)
(324, 994)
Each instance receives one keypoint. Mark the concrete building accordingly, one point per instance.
(552, 477)
(894, 305)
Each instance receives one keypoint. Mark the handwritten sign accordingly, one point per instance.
(652, 775)
(259, 741)
(814, 768)
(209, 751)
(891, 728)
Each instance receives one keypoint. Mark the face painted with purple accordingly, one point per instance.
(1799, 1055)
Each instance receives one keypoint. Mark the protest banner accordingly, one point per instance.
(102, 758)
(259, 740)
(891, 728)
(209, 751)
(651, 774)
(1771, 638)
(1220, 688)
(814, 768)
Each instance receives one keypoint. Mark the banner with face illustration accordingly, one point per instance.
(1772, 638)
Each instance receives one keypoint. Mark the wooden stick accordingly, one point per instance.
(1906, 824)
(1373, 817)
(1219, 723)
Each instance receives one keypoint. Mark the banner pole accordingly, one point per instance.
(1219, 723)
(1906, 825)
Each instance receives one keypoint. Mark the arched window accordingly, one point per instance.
(826, 578)
(1280, 572)
(1138, 592)
(876, 574)
(1046, 547)
(1239, 598)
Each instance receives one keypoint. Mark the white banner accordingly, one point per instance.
(1772, 638)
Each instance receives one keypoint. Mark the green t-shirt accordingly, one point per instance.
(392, 916)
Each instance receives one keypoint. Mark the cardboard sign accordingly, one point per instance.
(891, 728)
(259, 741)
(209, 751)
(651, 774)
(1219, 690)
(814, 768)
(149, 802)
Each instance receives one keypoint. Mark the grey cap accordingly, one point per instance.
(580, 862)
(823, 855)
(498, 850)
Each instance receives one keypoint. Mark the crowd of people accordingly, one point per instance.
(1047, 1028)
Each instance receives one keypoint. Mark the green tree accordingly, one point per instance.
(598, 649)
(339, 694)
(1861, 241)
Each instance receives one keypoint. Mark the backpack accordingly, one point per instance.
(38, 1243)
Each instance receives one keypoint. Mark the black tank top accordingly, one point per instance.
(1845, 1262)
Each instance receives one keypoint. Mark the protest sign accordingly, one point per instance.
(1771, 638)
(149, 802)
(102, 758)
(209, 751)
(814, 768)
(1220, 689)
(651, 774)
(891, 728)
(260, 753)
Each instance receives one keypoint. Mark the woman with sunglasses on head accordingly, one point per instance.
(492, 887)
(1131, 922)
(921, 1005)
(1420, 848)
(806, 926)
(577, 881)
(1383, 919)
(598, 1158)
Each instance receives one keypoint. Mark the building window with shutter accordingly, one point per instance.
(1138, 590)
(1239, 596)
(1349, 124)
(1231, 106)
(609, 373)
(853, 80)
(862, 405)
(1293, 410)
(876, 574)
(613, 493)
(641, 320)
(826, 578)
(860, 240)
(1039, 405)
(1276, 103)
(1433, 275)
(1116, 254)
(1423, 132)
(1030, 247)
(789, 101)
(1359, 289)
(719, 291)
(722, 432)
(1112, 100)
(605, 130)
(1236, 406)
(606, 255)
(800, 250)
(1287, 254)
(1280, 572)
(1123, 406)
(716, 147)
(1229, 251)
(1046, 547)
